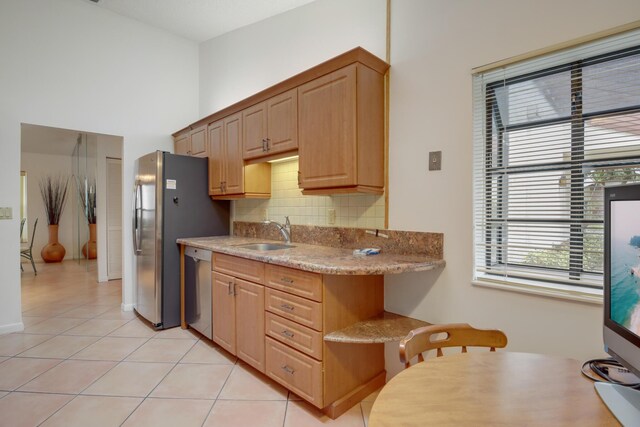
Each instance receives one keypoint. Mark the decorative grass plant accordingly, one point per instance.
(53, 189)
(87, 196)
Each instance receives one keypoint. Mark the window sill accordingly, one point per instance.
(531, 287)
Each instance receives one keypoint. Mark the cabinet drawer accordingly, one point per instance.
(297, 282)
(299, 373)
(297, 336)
(239, 267)
(301, 310)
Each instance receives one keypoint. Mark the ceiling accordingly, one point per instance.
(199, 20)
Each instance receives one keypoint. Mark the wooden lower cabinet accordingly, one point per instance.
(268, 323)
(299, 373)
(238, 311)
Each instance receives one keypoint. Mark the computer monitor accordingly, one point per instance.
(621, 330)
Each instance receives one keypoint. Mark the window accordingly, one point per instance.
(549, 134)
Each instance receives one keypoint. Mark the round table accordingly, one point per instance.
(487, 388)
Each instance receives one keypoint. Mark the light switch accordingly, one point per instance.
(2, 213)
(435, 160)
(8, 214)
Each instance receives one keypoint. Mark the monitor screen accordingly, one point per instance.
(622, 275)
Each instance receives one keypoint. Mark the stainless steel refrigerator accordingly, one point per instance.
(171, 200)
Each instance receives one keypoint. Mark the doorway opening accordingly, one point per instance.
(88, 166)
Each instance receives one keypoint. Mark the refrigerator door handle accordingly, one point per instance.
(137, 220)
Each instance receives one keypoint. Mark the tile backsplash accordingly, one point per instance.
(351, 210)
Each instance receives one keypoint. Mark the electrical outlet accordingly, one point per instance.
(435, 160)
(2, 213)
(8, 213)
(264, 215)
(331, 216)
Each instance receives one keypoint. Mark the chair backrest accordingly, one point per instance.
(457, 335)
(33, 235)
(22, 221)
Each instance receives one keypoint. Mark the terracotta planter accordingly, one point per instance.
(53, 251)
(90, 249)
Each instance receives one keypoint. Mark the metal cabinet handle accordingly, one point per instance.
(265, 147)
(137, 219)
(287, 280)
(289, 370)
(230, 290)
(287, 307)
(287, 333)
(268, 141)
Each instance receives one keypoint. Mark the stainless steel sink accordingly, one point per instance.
(265, 246)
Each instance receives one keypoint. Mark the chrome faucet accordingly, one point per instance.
(285, 229)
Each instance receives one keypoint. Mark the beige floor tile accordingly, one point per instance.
(110, 348)
(87, 311)
(135, 328)
(94, 411)
(117, 313)
(193, 382)
(178, 333)
(3, 394)
(29, 409)
(170, 413)
(12, 344)
(302, 414)
(366, 411)
(70, 376)
(247, 413)
(59, 347)
(206, 352)
(2, 359)
(96, 327)
(54, 325)
(166, 350)
(32, 320)
(246, 383)
(49, 310)
(130, 379)
(19, 371)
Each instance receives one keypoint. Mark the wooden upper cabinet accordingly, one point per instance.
(234, 180)
(198, 137)
(181, 144)
(341, 132)
(255, 131)
(229, 178)
(271, 127)
(217, 157)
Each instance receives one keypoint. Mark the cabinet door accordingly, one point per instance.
(199, 142)
(234, 165)
(216, 157)
(327, 130)
(181, 144)
(282, 122)
(254, 131)
(250, 323)
(224, 312)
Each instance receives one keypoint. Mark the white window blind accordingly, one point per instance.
(549, 134)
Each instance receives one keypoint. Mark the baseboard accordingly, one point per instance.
(127, 307)
(11, 327)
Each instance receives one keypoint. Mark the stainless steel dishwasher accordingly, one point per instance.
(197, 289)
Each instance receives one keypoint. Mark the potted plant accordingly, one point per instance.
(87, 196)
(54, 195)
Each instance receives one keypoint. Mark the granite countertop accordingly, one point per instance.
(315, 258)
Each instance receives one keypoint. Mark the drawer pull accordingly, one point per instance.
(287, 280)
(288, 334)
(289, 370)
(230, 291)
(287, 307)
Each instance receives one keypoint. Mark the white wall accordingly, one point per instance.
(72, 65)
(37, 166)
(243, 62)
(434, 46)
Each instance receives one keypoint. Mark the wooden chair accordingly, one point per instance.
(26, 253)
(457, 335)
